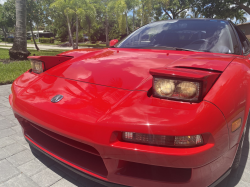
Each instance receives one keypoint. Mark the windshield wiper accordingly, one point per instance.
(183, 49)
(171, 48)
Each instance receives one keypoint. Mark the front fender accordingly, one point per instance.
(231, 95)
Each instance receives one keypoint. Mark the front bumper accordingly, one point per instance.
(90, 121)
(103, 182)
(86, 161)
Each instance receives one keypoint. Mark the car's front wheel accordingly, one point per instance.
(237, 158)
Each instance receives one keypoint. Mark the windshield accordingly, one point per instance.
(194, 35)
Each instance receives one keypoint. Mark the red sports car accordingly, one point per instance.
(167, 106)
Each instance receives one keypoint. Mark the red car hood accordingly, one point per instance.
(129, 68)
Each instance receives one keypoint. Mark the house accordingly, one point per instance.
(42, 33)
(245, 27)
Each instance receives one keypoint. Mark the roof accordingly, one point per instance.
(248, 23)
(40, 31)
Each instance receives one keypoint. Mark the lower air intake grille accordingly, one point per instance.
(80, 154)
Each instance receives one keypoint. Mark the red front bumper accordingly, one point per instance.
(88, 123)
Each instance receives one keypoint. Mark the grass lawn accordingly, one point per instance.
(10, 71)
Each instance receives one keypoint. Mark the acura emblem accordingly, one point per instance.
(56, 99)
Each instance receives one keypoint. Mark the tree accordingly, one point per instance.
(19, 49)
(88, 16)
(7, 17)
(195, 14)
(134, 4)
(64, 6)
(106, 12)
(34, 14)
(240, 17)
(222, 9)
(145, 11)
(183, 15)
(174, 8)
(120, 8)
(82, 9)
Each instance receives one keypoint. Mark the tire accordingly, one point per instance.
(237, 158)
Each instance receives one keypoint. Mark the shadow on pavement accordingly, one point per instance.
(64, 172)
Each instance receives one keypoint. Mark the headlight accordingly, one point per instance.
(176, 89)
(165, 87)
(37, 66)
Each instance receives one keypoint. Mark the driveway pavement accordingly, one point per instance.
(20, 167)
(41, 46)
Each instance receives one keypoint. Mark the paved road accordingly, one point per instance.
(20, 167)
(41, 46)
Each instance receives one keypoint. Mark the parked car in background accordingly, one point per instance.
(29, 37)
(85, 37)
(167, 106)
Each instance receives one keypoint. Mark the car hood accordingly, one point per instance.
(129, 68)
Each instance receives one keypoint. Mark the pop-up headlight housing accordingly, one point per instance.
(39, 64)
(182, 84)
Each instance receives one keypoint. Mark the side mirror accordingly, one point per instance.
(113, 42)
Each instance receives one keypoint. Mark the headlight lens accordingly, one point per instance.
(187, 89)
(165, 87)
(37, 66)
(177, 89)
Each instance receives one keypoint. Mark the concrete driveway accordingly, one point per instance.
(41, 46)
(20, 167)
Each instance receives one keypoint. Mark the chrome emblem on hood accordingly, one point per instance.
(57, 98)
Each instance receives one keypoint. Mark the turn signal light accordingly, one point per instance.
(162, 140)
(188, 140)
(36, 66)
(236, 124)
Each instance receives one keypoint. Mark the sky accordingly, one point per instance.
(2, 1)
(247, 15)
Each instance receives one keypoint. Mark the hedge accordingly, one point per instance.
(46, 40)
(9, 40)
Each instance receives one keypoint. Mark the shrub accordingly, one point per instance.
(46, 40)
(10, 40)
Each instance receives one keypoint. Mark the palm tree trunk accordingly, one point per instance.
(33, 36)
(244, 7)
(4, 32)
(70, 35)
(76, 32)
(142, 16)
(19, 49)
(133, 19)
(126, 22)
(38, 36)
(106, 30)
(5, 37)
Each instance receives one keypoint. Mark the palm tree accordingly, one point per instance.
(19, 49)
(87, 15)
(64, 6)
(107, 9)
(240, 17)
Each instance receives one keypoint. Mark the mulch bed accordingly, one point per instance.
(7, 61)
(7, 82)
